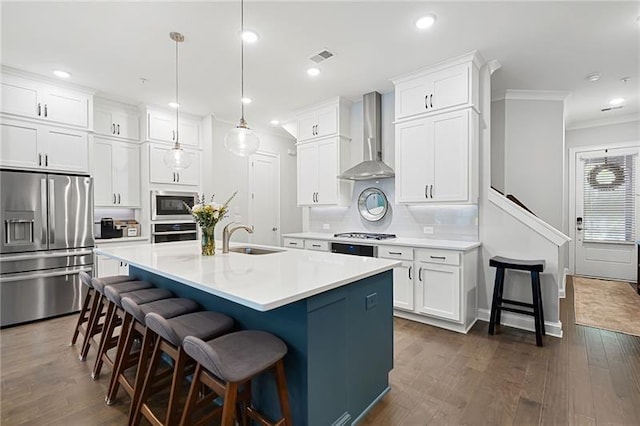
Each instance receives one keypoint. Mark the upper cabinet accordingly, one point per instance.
(159, 173)
(23, 97)
(448, 85)
(161, 127)
(330, 118)
(116, 120)
(116, 173)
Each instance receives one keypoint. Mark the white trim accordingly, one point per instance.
(522, 322)
(562, 291)
(530, 220)
(606, 121)
(46, 79)
(276, 157)
(473, 56)
(573, 155)
(529, 95)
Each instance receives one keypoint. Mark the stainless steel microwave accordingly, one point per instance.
(167, 205)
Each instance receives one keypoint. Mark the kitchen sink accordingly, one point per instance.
(253, 250)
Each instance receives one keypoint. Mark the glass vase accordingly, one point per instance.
(208, 243)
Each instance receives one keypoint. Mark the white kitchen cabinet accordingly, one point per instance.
(116, 120)
(116, 173)
(436, 158)
(37, 146)
(438, 291)
(160, 173)
(403, 286)
(444, 86)
(319, 164)
(33, 99)
(161, 127)
(295, 243)
(327, 119)
(317, 245)
(108, 266)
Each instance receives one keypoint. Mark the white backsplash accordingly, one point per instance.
(449, 222)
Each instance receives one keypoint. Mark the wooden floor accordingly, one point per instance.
(590, 376)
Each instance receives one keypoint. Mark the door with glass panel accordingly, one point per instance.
(606, 213)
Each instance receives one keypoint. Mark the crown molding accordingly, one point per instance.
(607, 121)
(46, 79)
(529, 95)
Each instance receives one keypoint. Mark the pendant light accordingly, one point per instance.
(176, 158)
(241, 140)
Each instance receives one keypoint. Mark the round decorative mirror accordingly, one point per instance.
(372, 204)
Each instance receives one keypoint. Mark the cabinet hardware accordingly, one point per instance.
(46, 156)
(426, 102)
(397, 253)
(39, 159)
(178, 176)
(118, 129)
(431, 100)
(174, 176)
(315, 245)
(291, 243)
(39, 110)
(274, 229)
(317, 129)
(438, 257)
(114, 198)
(173, 135)
(118, 198)
(45, 110)
(410, 267)
(420, 274)
(426, 193)
(113, 129)
(431, 191)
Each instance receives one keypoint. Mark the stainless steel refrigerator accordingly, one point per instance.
(47, 239)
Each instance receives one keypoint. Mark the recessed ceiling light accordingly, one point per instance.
(249, 36)
(61, 74)
(246, 100)
(313, 71)
(594, 76)
(426, 21)
(275, 122)
(616, 101)
(174, 104)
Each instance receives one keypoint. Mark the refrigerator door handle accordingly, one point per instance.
(24, 277)
(52, 212)
(43, 209)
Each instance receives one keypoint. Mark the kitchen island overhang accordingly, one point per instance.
(334, 312)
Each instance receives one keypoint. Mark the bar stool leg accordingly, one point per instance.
(536, 308)
(125, 342)
(107, 332)
(192, 397)
(92, 327)
(500, 294)
(541, 303)
(176, 387)
(229, 407)
(81, 318)
(283, 394)
(495, 304)
(147, 375)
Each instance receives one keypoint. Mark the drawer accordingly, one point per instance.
(445, 257)
(316, 245)
(294, 243)
(392, 252)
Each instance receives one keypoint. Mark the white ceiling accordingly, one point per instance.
(109, 46)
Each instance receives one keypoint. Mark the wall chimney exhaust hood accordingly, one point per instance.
(372, 167)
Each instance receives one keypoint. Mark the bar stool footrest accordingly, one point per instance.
(517, 311)
(515, 302)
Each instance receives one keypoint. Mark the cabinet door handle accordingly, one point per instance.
(39, 110)
(316, 245)
(173, 135)
(118, 198)
(317, 129)
(420, 274)
(426, 102)
(431, 100)
(45, 110)
(39, 159)
(114, 198)
(397, 253)
(118, 129)
(438, 257)
(113, 129)
(178, 176)
(426, 191)
(410, 267)
(46, 157)
(174, 176)
(431, 191)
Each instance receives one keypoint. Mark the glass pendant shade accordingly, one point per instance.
(241, 140)
(177, 158)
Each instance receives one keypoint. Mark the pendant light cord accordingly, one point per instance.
(242, 58)
(177, 145)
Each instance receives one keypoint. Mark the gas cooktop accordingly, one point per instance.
(365, 236)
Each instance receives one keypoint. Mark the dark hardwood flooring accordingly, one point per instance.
(590, 376)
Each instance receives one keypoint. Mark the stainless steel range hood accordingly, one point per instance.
(372, 167)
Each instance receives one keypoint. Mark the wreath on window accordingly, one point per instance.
(606, 177)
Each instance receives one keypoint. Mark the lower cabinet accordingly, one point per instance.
(299, 243)
(107, 266)
(438, 291)
(403, 287)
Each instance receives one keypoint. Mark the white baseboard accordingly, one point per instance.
(522, 322)
(562, 291)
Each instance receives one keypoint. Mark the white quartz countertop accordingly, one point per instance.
(405, 242)
(262, 282)
(121, 240)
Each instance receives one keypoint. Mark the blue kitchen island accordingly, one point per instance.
(333, 311)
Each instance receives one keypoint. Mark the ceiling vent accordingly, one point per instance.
(605, 109)
(321, 56)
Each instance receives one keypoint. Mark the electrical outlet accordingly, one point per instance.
(326, 226)
(428, 229)
(371, 301)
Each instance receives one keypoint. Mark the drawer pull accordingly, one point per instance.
(397, 253)
(316, 245)
(438, 257)
(291, 243)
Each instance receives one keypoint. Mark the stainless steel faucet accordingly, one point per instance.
(228, 231)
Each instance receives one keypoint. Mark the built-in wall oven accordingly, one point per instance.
(169, 205)
(169, 232)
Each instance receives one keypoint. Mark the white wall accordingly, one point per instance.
(497, 145)
(603, 135)
(225, 173)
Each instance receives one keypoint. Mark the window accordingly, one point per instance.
(609, 199)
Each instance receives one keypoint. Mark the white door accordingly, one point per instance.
(403, 291)
(449, 87)
(20, 97)
(162, 127)
(307, 127)
(158, 172)
(190, 175)
(606, 205)
(451, 154)
(126, 125)
(65, 106)
(307, 173)
(126, 176)
(264, 198)
(327, 121)
(414, 160)
(439, 290)
(67, 150)
(103, 192)
(189, 132)
(20, 146)
(103, 122)
(328, 171)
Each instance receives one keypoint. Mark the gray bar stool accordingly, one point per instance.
(86, 311)
(97, 312)
(226, 365)
(113, 318)
(171, 332)
(134, 326)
